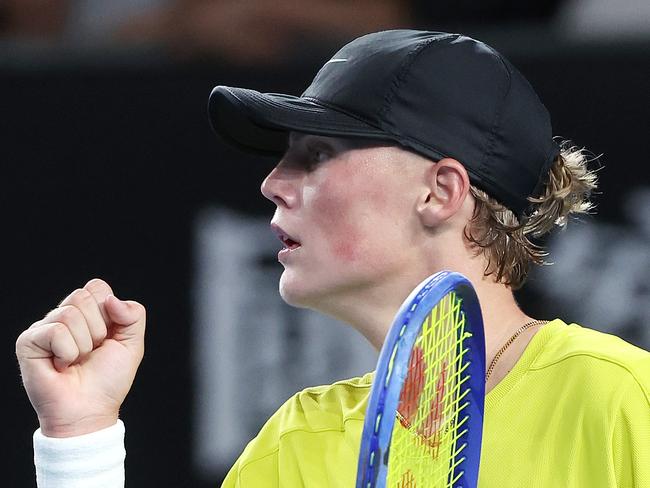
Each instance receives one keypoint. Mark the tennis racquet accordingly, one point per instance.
(424, 420)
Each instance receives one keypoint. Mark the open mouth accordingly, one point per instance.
(288, 241)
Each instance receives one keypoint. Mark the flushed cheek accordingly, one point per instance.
(342, 236)
(344, 206)
(352, 236)
(346, 249)
(333, 216)
(358, 248)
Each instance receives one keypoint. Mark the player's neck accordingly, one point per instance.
(371, 310)
(501, 316)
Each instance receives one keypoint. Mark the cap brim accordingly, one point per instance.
(259, 122)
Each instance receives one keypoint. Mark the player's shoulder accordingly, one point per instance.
(603, 355)
(333, 412)
(326, 407)
(568, 340)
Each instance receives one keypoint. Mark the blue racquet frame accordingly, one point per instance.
(387, 385)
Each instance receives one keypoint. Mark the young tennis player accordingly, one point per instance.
(411, 152)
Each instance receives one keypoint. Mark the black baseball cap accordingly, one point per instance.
(438, 94)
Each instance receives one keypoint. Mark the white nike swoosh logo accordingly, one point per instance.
(337, 60)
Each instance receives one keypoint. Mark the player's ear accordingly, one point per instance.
(446, 190)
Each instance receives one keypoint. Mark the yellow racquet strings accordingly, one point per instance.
(430, 415)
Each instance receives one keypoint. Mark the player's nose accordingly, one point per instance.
(280, 187)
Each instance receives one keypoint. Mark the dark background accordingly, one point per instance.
(106, 161)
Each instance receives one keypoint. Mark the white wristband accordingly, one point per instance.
(93, 460)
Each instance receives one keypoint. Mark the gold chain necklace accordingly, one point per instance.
(508, 343)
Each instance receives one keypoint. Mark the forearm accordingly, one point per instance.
(88, 461)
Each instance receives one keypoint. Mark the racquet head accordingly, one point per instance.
(424, 419)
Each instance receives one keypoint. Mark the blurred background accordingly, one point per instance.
(109, 169)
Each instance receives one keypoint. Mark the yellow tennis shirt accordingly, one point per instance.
(573, 412)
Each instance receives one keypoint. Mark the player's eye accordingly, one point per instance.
(317, 155)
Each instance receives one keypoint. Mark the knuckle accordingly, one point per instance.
(139, 307)
(63, 344)
(68, 313)
(36, 324)
(98, 286)
(81, 296)
(22, 339)
(59, 329)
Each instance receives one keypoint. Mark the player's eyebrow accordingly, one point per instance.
(295, 137)
(297, 140)
(338, 143)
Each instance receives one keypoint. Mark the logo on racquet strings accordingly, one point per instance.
(426, 423)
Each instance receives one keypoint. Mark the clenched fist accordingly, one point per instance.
(79, 362)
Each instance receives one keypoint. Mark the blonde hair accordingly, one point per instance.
(506, 243)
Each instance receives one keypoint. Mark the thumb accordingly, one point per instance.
(128, 318)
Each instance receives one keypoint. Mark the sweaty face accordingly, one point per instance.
(345, 214)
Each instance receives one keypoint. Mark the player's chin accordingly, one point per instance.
(294, 291)
(292, 297)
